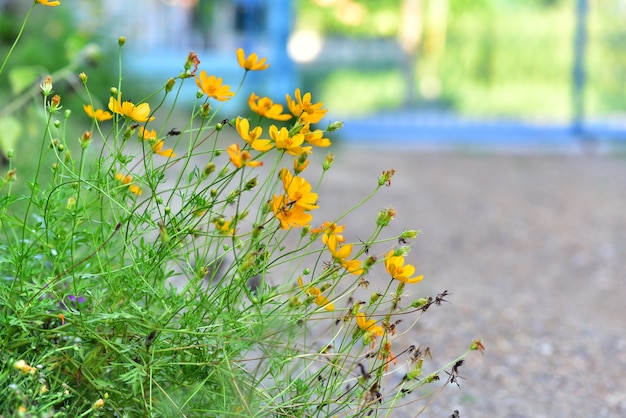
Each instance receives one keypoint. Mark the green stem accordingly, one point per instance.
(17, 39)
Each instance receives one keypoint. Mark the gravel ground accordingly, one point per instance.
(532, 250)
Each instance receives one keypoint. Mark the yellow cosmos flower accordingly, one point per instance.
(157, 148)
(252, 136)
(139, 113)
(398, 270)
(127, 180)
(291, 144)
(264, 106)
(212, 87)
(315, 138)
(300, 164)
(241, 158)
(290, 216)
(48, 3)
(147, 134)
(99, 114)
(342, 254)
(304, 109)
(369, 326)
(332, 233)
(252, 62)
(316, 293)
(155, 143)
(298, 192)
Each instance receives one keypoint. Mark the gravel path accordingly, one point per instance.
(533, 250)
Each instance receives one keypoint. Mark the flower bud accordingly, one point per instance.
(218, 126)
(83, 78)
(46, 86)
(375, 297)
(68, 113)
(71, 203)
(385, 216)
(385, 178)
(328, 161)
(334, 126)
(251, 184)
(410, 234)
(205, 110)
(199, 94)
(55, 104)
(121, 40)
(10, 153)
(169, 85)
(85, 139)
(208, 169)
(306, 271)
(57, 124)
(113, 92)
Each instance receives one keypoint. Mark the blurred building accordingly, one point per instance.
(160, 34)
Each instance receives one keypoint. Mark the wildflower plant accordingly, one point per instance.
(183, 272)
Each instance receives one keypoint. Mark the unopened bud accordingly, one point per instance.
(205, 110)
(121, 40)
(251, 184)
(113, 92)
(328, 161)
(410, 234)
(46, 86)
(85, 139)
(385, 178)
(169, 85)
(385, 216)
(334, 126)
(55, 103)
(71, 203)
(83, 78)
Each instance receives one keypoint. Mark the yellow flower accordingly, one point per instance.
(98, 404)
(99, 115)
(146, 134)
(298, 191)
(212, 87)
(22, 366)
(315, 138)
(291, 144)
(290, 216)
(241, 158)
(157, 148)
(300, 164)
(264, 106)
(127, 180)
(155, 144)
(369, 326)
(398, 270)
(224, 227)
(252, 62)
(316, 293)
(48, 3)
(252, 136)
(304, 109)
(331, 233)
(342, 254)
(138, 113)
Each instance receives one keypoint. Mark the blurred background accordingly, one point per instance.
(430, 70)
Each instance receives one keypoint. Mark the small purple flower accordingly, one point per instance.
(74, 299)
